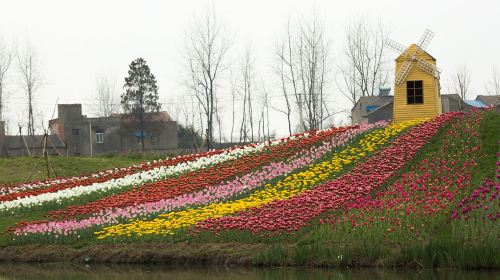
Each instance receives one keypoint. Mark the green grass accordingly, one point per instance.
(443, 243)
(18, 169)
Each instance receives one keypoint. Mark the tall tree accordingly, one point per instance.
(29, 68)
(461, 83)
(281, 68)
(206, 48)
(5, 59)
(140, 98)
(303, 65)
(364, 68)
(247, 120)
(105, 96)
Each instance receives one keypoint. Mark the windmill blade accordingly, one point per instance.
(427, 67)
(395, 46)
(425, 39)
(403, 72)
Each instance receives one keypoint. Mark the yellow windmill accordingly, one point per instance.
(416, 84)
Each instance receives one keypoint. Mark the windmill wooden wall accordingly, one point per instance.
(432, 98)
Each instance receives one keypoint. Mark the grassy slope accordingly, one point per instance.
(319, 245)
(19, 168)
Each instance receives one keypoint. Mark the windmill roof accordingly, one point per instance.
(415, 46)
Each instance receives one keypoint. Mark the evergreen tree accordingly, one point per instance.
(140, 98)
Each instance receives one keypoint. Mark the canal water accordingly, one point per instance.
(125, 272)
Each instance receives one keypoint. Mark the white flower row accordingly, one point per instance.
(142, 177)
(6, 190)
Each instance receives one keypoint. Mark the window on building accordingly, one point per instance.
(99, 137)
(138, 140)
(414, 92)
(75, 131)
(154, 139)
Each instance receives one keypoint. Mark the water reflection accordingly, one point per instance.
(125, 272)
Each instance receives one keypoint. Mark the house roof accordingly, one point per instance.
(378, 101)
(489, 99)
(476, 103)
(453, 96)
(375, 100)
(379, 108)
(158, 116)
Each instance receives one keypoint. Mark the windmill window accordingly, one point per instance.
(414, 92)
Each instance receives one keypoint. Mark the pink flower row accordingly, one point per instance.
(211, 194)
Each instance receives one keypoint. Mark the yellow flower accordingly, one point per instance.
(168, 223)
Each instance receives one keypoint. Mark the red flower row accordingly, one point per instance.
(107, 175)
(294, 213)
(430, 188)
(103, 177)
(199, 179)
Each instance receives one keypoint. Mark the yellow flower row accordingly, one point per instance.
(166, 224)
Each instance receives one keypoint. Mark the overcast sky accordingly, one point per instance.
(79, 40)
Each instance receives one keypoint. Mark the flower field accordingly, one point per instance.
(416, 191)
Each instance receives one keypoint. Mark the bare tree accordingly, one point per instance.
(493, 84)
(283, 64)
(189, 114)
(29, 69)
(460, 83)
(233, 102)
(364, 69)
(205, 51)
(247, 120)
(264, 115)
(303, 66)
(105, 96)
(313, 55)
(5, 60)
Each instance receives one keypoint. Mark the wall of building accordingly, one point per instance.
(382, 114)
(2, 138)
(118, 135)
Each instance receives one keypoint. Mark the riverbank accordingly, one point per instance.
(210, 254)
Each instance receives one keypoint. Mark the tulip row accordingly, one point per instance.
(192, 181)
(432, 187)
(152, 175)
(292, 214)
(13, 191)
(215, 193)
(292, 185)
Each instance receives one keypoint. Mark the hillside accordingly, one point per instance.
(420, 193)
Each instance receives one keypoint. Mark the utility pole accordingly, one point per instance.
(21, 152)
(90, 137)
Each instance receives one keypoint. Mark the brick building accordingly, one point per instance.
(114, 134)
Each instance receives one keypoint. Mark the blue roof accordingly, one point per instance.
(476, 103)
